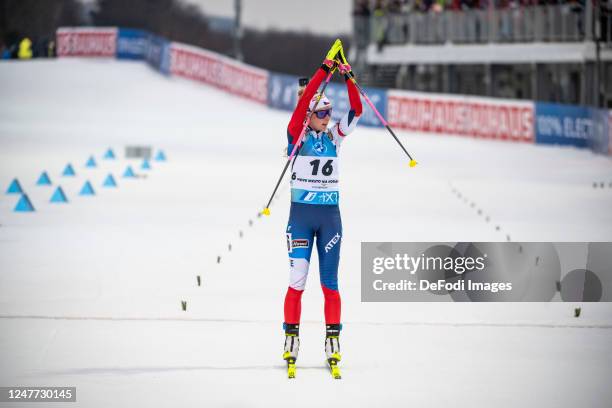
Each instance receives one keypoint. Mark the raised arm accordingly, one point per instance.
(353, 94)
(299, 113)
(349, 121)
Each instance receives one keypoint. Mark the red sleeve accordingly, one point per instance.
(354, 98)
(297, 119)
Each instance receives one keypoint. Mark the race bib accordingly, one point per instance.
(315, 173)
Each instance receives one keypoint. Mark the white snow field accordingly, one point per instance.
(90, 291)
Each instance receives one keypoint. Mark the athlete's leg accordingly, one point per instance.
(300, 234)
(329, 237)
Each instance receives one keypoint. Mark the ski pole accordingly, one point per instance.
(266, 209)
(382, 120)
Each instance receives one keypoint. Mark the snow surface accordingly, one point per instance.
(90, 291)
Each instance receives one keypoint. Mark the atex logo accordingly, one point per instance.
(332, 242)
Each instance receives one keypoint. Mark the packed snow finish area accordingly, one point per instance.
(90, 291)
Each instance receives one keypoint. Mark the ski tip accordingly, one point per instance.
(266, 211)
(413, 163)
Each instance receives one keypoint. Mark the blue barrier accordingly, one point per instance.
(339, 97)
(142, 45)
(158, 54)
(132, 44)
(282, 91)
(578, 126)
(282, 94)
(600, 140)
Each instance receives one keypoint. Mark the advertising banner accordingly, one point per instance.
(158, 53)
(132, 44)
(570, 125)
(461, 115)
(214, 69)
(598, 139)
(282, 91)
(563, 124)
(86, 42)
(338, 94)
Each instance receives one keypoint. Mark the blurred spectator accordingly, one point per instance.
(395, 6)
(478, 20)
(10, 52)
(25, 49)
(379, 24)
(361, 21)
(577, 7)
(51, 49)
(604, 20)
(362, 8)
(438, 6)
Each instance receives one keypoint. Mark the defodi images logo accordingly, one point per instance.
(486, 272)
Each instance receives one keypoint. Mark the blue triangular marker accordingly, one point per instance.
(109, 155)
(44, 180)
(58, 196)
(68, 170)
(91, 162)
(87, 189)
(129, 172)
(145, 165)
(161, 156)
(109, 181)
(14, 187)
(24, 204)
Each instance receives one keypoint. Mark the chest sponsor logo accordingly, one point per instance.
(319, 147)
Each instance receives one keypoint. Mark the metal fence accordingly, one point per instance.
(554, 23)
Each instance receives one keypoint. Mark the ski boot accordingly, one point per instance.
(332, 348)
(292, 346)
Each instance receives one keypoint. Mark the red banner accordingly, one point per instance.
(464, 116)
(86, 42)
(214, 69)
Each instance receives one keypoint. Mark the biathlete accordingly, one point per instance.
(314, 209)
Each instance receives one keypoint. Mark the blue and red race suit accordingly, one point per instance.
(314, 201)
